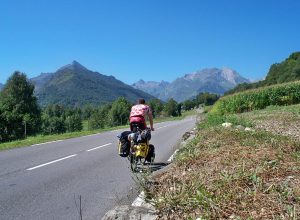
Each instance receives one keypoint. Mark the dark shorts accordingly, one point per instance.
(135, 125)
(137, 122)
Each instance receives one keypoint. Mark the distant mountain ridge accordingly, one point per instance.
(151, 87)
(75, 85)
(1, 86)
(213, 80)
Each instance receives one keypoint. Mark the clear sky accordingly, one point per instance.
(147, 39)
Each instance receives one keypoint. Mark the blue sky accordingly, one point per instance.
(147, 39)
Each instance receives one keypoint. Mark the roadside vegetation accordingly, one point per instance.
(244, 161)
(230, 173)
(40, 138)
(281, 94)
(23, 122)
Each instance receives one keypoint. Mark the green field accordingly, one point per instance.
(281, 94)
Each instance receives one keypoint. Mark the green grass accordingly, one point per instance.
(224, 173)
(46, 138)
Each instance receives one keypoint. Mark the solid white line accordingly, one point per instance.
(95, 148)
(139, 200)
(49, 142)
(54, 161)
(172, 156)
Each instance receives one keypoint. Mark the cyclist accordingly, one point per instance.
(138, 114)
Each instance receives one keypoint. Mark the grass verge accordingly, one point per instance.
(224, 173)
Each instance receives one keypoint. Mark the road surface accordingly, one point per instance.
(46, 181)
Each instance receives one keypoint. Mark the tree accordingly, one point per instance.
(119, 112)
(207, 98)
(18, 103)
(171, 108)
(73, 123)
(179, 105)
(156, 106)
(53, 124)
(188, 104)
(87, 111)
(99, 118)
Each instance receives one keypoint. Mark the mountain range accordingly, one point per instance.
(1, 86)
(213, 80)
(75, 85)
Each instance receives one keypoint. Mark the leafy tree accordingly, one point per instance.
(179, 106)
(99, 118)
(206, 98)
(87, 111)
(53, 124)
(156, 106)
(73, 122)
(18, 104)
(2, 128)
(188, 104)
(171, 108)
(119, 112)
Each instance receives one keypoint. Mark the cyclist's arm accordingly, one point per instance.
(151, 121)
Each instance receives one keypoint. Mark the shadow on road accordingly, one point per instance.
(152, 167)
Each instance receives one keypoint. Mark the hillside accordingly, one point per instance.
(211, 80)
(235, 173)
(75, 85)
(286, 71)
(1, 86)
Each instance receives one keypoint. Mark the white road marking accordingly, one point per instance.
(172, 156)
(140, 200)
(49, 142)
(95, 148)
(54, 161)
(90, 135)
(162, 127)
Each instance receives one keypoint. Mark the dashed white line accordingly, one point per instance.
(90, 135)
(49, 142)
(162, 127)
(54, 161)
(95, 148)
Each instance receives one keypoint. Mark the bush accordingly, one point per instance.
(73, 123)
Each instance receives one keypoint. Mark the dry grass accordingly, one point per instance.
(229, 174)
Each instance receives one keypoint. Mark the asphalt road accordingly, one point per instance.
(46, 181)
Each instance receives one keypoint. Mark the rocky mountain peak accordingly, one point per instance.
(74, 66)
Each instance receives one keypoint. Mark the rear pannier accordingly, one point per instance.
(124, 144)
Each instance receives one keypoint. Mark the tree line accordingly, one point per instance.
(21, 116)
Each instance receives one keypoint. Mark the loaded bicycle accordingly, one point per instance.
(135, 145)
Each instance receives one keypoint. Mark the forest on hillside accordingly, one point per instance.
(286, 71)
